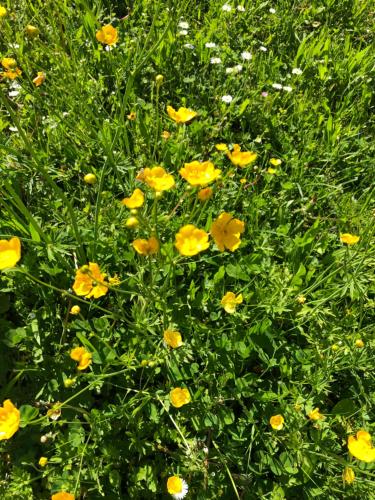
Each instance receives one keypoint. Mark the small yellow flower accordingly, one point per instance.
(107, 35)
(221, 147)
(136, 200)
(62, 495)
(177, 487)
(349, 239)
(43, 461)
(8, 63)
(156, 178)
(359, 343)
(75, 310)
(90, 282)
(277, 422)
(132, 116)
(146, 247)
(301, 299)
(132, 222)
(335, 347)
(114, 281)
(227, 231)
(315, 415)
(90, 178)
(360, 447)
(243, 180)
(9, 420)
(12, 74)
(172, 338)
(39, 79)
(230, 302)
(69, 382)
(165, 135)
(190, 240)
(271, 170)
(241, 158)
(82, 356)
(179, 397)
(199, 173)
(3, 11)
(205, 194)
(32, 31)
(183, 115)
(348, 475)
(275, 162)
(10, 252)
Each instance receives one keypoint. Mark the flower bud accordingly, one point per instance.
(69, 382)
(32, 31)
(132, 222)
(359, 343)
(90, 178)
(75, 310)
(159, 79)
(43, 461)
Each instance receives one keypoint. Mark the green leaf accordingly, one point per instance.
(344, 407)
(28, 413)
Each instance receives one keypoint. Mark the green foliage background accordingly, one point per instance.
(118, 437)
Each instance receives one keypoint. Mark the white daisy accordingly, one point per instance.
(297, 71)
(246, 56)
(210, 45)
(215, 60)
(229, 71)
(189, 46)
(226, 8)
(183, 32)
(272, 11)
(238, 68)
(183, 25)
(241, 8)
(177, 487)
(13, 93)
(227, 99)
(277, 86)
(287, 88)
(263, 49)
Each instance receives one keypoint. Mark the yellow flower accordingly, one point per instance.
(277, 422)
(177, 487)
(89, 281)
(82, 356)
(62, 495)
(179, 397)
(12, 73)
(199, 173)
(241, 158)
(69, 382)
(190, 240)
(39, 79)
(165, 135)
(136, 200)
(90, 178)
(243, 180)
(359, 343)
(360, 447)
(301, 299)
(275, 162)
(10, 252)
(227, 231)
(107, 35)
(349, 239)
(9, 420)
(271, 170)
(8, 63)
(3, 11)
(114, 281)
(146, 247)
(43, 461)
(75, 310)
(230, 302)
(173, 339)
(132, 222)
(132, 116)
(183, 115)
(348, 475)
(221, 147)
(205, 194)
(315, 415)
(156, 178)
(32, 31)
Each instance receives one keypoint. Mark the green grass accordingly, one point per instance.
(118, 436)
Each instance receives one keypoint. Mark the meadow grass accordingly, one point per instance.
(290, 81)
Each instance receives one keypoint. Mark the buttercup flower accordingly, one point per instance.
(82, 356)
(205, 194)
(8, 63)
(315, 415)
(359, 343)
(221, 147)
(107, 35)
(227, 231)
(90, 179)
(199, 173)
(177, 487)
(10, 252)
(173, 339)
(183, 115)
(43, 461)
(348, 475)
(12, 73)
(32, 31)
(39, 79)
(190, 240)
(360, 447)
(230, 302)
(75, 310)
(165, 135)
(179, 397)
(275, 162)
(136, 200)
(132, 116)
(3, 11)
(146, 247)
(90, 282)
(62, 495)
(132, 222)
(241, 158)
(349, 239)
(9, 420)
(157, 178)
(277, 422)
